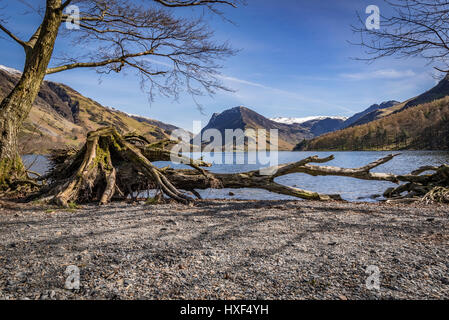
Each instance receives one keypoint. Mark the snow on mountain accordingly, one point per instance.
(304, 119)
(9, 70)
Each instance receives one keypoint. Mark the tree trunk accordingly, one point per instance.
(14, 109)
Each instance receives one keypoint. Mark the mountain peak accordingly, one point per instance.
(238, 108)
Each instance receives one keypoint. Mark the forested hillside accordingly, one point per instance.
(424, 127)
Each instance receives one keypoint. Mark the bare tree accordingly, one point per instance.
(170, 53)
(417, 28)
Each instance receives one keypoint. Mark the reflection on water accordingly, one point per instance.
(350, 189)
(36, 163)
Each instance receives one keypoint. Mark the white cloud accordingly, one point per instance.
(281, 92)
(379, 74)
(242, 81)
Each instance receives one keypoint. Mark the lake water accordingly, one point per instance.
(349, 188)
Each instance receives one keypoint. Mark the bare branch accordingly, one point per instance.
(12, 36)
(190, 3)
(417, 28)
(304, 166)
(169, 53)
(121, 59)
(65, 4)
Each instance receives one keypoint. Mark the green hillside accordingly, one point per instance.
(62, 117)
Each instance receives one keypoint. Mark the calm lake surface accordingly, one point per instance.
(349, 188)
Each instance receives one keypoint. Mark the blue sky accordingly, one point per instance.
(295, 61)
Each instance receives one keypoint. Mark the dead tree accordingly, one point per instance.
(170, 53)
(110, 166)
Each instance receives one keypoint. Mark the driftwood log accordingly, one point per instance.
(111, 166)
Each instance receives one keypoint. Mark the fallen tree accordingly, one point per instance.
(112, 166)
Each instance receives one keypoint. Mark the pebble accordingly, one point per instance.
(227, 250)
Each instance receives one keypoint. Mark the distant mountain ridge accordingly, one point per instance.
(62, 116)
(321, 126)
(306, 119)
(290, 130)
(419, 123)
(317, 125)
(245, 118)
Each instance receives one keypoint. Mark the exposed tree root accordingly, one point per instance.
(110, 166)
(15, 180)
(423, 187)
(107, 166)
(437, 194)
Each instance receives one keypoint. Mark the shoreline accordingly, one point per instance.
(226, 249)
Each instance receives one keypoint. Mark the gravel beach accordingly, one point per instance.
(226, 250)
